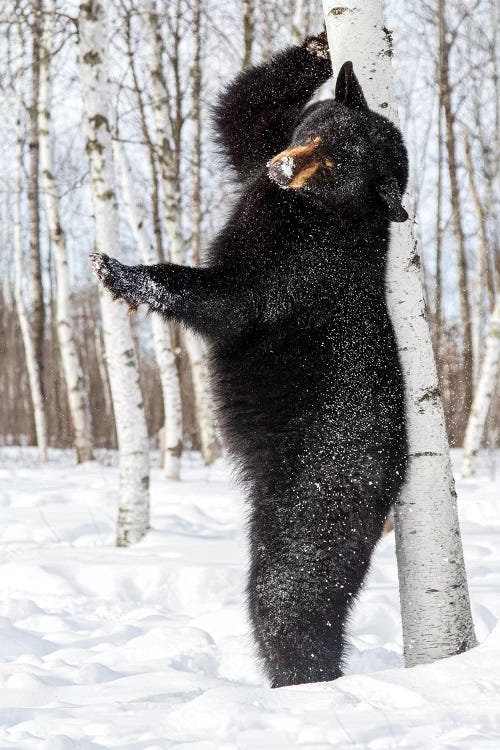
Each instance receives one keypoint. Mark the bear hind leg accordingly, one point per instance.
(307, 569)
(299, 631)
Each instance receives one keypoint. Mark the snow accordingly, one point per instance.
(147, 648)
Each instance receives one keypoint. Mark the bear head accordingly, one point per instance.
(345, 157)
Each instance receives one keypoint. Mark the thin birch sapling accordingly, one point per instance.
(77, 396)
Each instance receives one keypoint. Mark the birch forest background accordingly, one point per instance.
(164, 195)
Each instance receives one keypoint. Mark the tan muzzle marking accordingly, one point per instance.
(302, 176)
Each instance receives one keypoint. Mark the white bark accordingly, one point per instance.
(165, 358)
(298, 22)
(435, 605)
(161, 106)
(77, 397)
(477, 315)
(171, 205)
(133, 516)
(103, 373)
(201, 388)
(484, 392)
(24, 322)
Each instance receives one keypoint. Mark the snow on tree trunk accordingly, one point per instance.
(485, 389)
(171, 206)
(133, 515)
(161, 333)
(77, 397)
(24, 322)
(434, 596)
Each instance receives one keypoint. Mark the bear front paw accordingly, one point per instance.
(318, 45)
(117, 278)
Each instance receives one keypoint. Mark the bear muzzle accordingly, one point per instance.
(293, 167)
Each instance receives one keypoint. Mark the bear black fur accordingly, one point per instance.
(303, 357)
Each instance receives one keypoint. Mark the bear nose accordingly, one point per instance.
(282, 171)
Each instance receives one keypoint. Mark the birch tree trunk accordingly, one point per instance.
(38, 316)
(196, 117)
(485, 389)
(77, 397)
(438, 316)
(451, 149)
(171, 203)
(133, 515)
(477, 316)
(24, 322)
(161, 333)
(248, 17)
(484, 253)
(435, 605)
(162, 115)
(298, 22)
(155, 183)
(104, 377)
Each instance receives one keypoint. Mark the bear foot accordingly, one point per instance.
(318, 45)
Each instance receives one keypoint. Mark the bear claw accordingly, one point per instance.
(110, 273)
(99, 265)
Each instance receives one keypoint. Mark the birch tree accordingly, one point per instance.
(103, 374)
(445, 90)
(32, 367)
(485, 389)
(248, 18)
(485, 271)
(145, 130)
(167, 147)
(38, 315)
(165, 358)
(133, 515)
(73, 375)
(434, 596)
(438, 315)
(196, 117)
(166, 143)
(298, 22)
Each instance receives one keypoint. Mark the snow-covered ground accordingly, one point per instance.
(148, 648)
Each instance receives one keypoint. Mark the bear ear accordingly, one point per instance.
(348, 90)
(390, 194)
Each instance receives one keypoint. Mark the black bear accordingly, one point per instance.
(304, 364)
